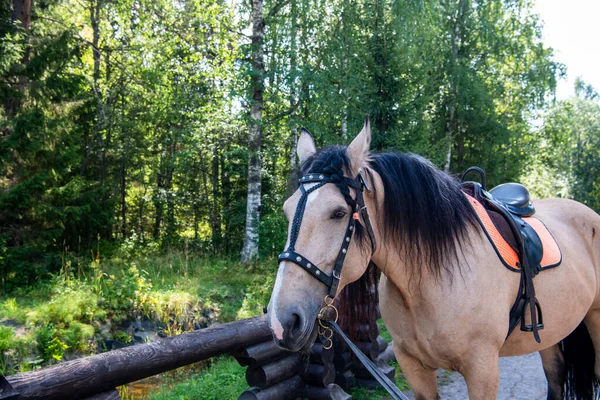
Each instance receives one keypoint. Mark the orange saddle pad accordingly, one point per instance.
(551, 256)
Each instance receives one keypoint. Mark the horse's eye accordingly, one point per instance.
(339, 214)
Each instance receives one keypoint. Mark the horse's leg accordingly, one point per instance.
(592, 321)
(422, 380)
(482, 374)
(554, 368)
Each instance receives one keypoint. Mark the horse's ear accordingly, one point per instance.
(306, 146)
(358, 150)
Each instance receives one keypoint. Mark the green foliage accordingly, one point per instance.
(134, 130)
(123, 294)
(7, 334)
(568, 159)
(225, 379)
(257, 297)
(51, 347)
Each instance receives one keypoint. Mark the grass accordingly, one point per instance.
(223, 380)
(67, 315)
(71, 316)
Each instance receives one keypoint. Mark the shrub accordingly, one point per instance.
(257, 297)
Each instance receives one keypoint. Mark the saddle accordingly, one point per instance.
(521, 241)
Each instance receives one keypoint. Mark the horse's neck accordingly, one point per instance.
(417, 283)
(413, 288)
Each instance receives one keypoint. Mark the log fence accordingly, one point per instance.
(272, 373)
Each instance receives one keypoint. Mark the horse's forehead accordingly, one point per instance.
(321, 197)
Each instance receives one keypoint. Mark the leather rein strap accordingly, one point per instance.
(359, 208)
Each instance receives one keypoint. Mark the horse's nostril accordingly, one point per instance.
(296, 324)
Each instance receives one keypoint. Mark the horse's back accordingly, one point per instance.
(575, 227)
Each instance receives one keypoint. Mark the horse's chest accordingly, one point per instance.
(424, 332)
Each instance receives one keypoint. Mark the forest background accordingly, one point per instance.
(174, 122)
(137, 128)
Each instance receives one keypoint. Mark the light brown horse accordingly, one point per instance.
(444, 294)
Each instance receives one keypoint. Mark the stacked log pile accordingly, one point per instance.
(319, 375)
(365, 335)
(273, 373)
(325, 373)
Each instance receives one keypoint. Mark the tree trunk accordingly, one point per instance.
(158, 205)
(123, 199)
(226, 194)
(216, 194)
(250, 248)
(451, 123)
(141, 209)
(100, 116)
(171, 227)
(22, 12)
(293, 95)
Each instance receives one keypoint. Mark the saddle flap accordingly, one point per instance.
(507, 244)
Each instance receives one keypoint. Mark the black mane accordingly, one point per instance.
(426, 216)
(426, 213)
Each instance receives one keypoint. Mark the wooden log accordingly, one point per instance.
(331, 392)
(343, 361)
(319, 375)
(367, 331)
(96, 374)
(339, 346)
(387, 355)
(108, 395)
(320, 355)
(260, 354)
(371, 349)
(382, 343)
(263, 376)
(6, 390)
(288, 389)
(346, 380)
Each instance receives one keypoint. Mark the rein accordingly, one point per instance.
(327, 326)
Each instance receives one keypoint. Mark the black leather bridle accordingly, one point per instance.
(359, 209)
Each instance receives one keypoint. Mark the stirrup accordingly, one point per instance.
(540, 319)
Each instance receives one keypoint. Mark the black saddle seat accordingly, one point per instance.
(515, 197)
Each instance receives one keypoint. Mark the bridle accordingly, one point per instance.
(359, 210)
(327, 326)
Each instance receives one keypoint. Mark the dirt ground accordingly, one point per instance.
(520, 378)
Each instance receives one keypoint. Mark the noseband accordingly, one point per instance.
(359, 209)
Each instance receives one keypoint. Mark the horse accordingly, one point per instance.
(444, 295)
